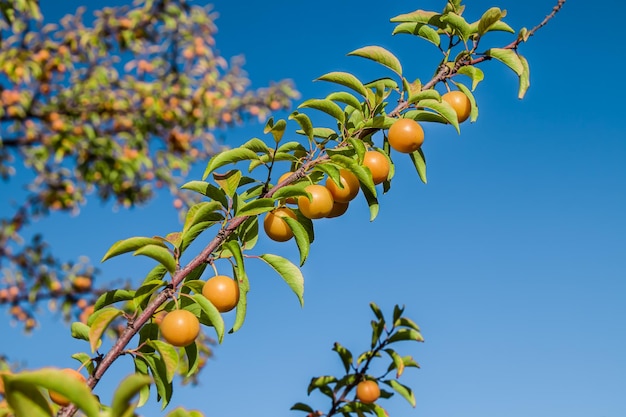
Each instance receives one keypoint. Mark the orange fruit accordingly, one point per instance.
(338, 209)
(367, 391)
(222, 292)
(405, 135)
(378, 165)
(81, 283)
(180, 327)
(350, 184)
(321, 202)
(275, 227)
(460, 103)
(288, 200)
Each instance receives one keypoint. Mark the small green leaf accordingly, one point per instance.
(258, 206)
(345, 79)
(159, 375)
(229, 182)
(458, 24)
(419, 29)
(377, 312)
(406, 322)
(380, 55)
(159, 254)
(507, 57)
(112, 297)
(228, 157)
(169, 356)
(420, 16)
(129, 245)
(406, 335)
(202, 212)
(488, 18)
(214, 315)
(208, 190)
(327, 106)
(277, 129)
(146, 290)
(85, 360)
(345, 98)
(242, 305)
(302, 407)
(345, 355)
(306, 125)
(403, 390)
(397, 363)
(377, 330)
(256, 145)
(126, 391)
(98, 323)
(475, 73)
(444, 109)
(319, 382)
(290, 273)
(419, 161)
(426, 94)
(301, 236)
(80, 331)
(524, 78)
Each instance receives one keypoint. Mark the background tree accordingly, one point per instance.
(111, 106)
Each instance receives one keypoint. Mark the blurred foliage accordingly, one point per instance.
(111, 106)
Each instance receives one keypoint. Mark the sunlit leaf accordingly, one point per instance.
(129, 245)
(344, 354)
(419, 29)
(113, 296)
(475, 73)
(398, 363)
(126, 391)
(488, 18)
(403, 390)
(419, 161)
(305, 123)
(345, 79)
(159, 254)
(524, 79)
(289, 272)
(98, 323)
(406, 335)
(327, 106)
(213, 314)
(345, 98)
(168, 355)
(444, 109)
(470, 96)
(208, 190)
(228, 157)
(380, 55)
(508, 57)
(258, 206)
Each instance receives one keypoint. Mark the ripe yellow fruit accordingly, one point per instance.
(338, 209)
(275, 227)
(378, 165)
(405, 135)
(81, 283)
(321, 202)
(60, 399)
(180, 327)
(350, 184)
(222, 292)
(288, 200)
(367, 391)
(460, 103)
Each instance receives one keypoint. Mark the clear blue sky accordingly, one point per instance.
(512, 259)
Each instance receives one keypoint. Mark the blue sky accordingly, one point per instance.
(512, 259)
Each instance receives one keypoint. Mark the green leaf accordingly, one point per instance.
(372, 203)
(193, 359)
(256, 145)
(403, 390)
(259, 206)
(377, 330)
(507, 57)
(358, 170)
(419, 29)
(228, 157)
(214, 315)
(98, 323)
(377, 312)
(380, 55)
(475, 73)
(524, 78)
(141, 367)
(56, 380)
(85, 360)
(301, 236)
(327, 106)
(229, 182)
(406, 322)
(319, 382)
(128, 389)
(277, 129)
(301, 407)
(346, 98)
(129, 245)
(208, 190)
(235, 249)
(306, 125)
(242, 305)
(425, 116)
(444, 109)
(159, 254)
(426, 94)
(345, 355)
(419, 161)
(420, 16)
(113, 296)
(146, 290)
(80, 331)
(406, 335)
(345, 79)
(397, 363)
(458, 24)
(488, 18)
(290, 273)
(169, 356)
(159, 375)
(202, 212)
